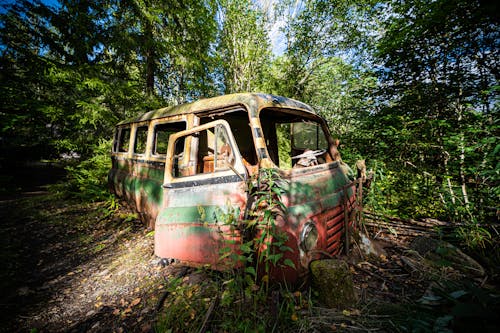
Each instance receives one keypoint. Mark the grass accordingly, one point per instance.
(220, 303)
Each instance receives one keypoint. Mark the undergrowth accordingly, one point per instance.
(87, 179)
(224, 303)
(446, 307)
(244, 298)
(414, 194)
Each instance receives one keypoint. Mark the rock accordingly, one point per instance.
(445, 254)
(424, 245)
(333, 281)
(370, 247)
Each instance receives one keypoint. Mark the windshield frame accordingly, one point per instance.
(268, 155)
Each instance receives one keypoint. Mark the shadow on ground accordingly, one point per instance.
(69, 266)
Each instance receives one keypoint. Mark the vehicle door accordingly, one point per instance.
(204, 195)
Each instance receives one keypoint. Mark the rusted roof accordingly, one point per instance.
(253, 101)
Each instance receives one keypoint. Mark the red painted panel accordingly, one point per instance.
(195, 244)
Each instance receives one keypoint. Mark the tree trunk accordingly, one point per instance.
(150, 59)
(462, 152)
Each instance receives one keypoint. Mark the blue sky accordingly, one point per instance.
(5, 3)
(275, 35)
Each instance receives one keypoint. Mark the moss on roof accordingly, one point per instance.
(253, 101)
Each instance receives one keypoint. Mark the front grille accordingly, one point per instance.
(334, 231)
(335, 225)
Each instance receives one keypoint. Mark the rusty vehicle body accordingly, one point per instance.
(181, 166)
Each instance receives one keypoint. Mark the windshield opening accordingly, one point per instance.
(292, 140)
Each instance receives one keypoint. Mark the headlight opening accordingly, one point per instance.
(308, 237)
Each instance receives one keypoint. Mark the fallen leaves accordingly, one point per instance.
(126, 307)
(353, 312)
(101, 274)
(385, 277)
(135, 302)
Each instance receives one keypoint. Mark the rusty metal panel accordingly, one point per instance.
(192, 225)
(192, 210)
(252, 100)
(139, 183)
(317, 195)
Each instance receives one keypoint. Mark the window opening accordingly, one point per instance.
(293, 140)
(308, 135)
(177, 170)
(241, 130)
(115, 140)
(124, 140)
(162, 134)
(284, 146)
(212, 153)
(141, 137)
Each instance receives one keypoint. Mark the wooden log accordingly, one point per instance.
(428, 222)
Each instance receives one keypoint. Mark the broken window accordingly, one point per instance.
(115, 140)
(141, 137)
(293, 140)
(124, 140)
(241, 129)
(308, 135)
(162, 134)
(210, 152)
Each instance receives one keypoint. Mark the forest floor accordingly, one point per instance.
(69, 266)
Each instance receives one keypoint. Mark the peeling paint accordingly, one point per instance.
(189, 194)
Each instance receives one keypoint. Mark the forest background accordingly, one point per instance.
(409, 86)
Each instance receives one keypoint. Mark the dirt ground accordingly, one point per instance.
(70, 268)
(73, 267)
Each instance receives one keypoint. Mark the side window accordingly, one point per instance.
(161, 134)
(211, 152)
(124, 140)
(141, 138)
(115, 140)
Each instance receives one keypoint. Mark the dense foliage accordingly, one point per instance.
(439, 88)
(412, 87)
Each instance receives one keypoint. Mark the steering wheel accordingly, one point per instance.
(310, 153)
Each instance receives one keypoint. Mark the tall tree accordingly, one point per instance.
(171, 42)
(440, 83)
(316, 30)
(315, 67)
(82, 65)
(49, 58)
(243, 48)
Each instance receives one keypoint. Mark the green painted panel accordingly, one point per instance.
(314, 193)
(200, 214)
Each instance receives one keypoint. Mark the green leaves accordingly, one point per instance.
(246, 247)
(243, 46)
(86, 179)
(250, 270)
(289, 263)
(412, 85)
(72, 71)
(429, 123)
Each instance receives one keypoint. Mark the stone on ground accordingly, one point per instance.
(332, 280)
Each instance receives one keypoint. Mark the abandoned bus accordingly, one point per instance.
(183, 167)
